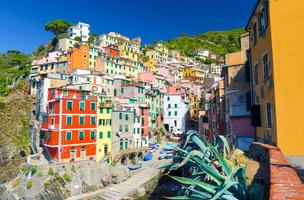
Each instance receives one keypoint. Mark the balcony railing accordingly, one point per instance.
(106, 104)
(53, 126)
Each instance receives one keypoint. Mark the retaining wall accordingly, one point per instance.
(278, 175)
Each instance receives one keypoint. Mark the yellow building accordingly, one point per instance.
(151, 64)
(276, 30)
(193, 73)
(104, 136)
(159, 53)
(127, 51)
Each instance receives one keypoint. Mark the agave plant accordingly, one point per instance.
(211, 175)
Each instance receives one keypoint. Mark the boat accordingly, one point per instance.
(135, 166)
(148, 156)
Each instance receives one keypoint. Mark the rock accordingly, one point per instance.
(140, 193)
(105, 181)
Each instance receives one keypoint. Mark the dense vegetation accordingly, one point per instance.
(14, 65)
(220, 42)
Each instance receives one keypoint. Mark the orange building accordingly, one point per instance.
(70, 125)
(78, 58)
(112, 50)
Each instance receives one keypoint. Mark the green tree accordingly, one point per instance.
(78, 39)
(57, 26)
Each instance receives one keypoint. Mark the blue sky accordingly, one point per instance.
(22, 24)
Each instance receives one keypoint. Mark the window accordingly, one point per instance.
(268, 115)
(92, 135)
(126, 128)
(68, 136)
(108, 110)
(169, 105)
(175, 113)
(168, 98)
(254, 34)
(266, 66)
(93, 106)
(175, 105)
(81, 135)
(115, 92)
(65, 92)
(256, 73)
(121, 144)
(263, 19)
(81, 120)
(120, 127)
(93, 120)
(100, 135)
(81, 105)
(109, 134)
(101, 110)
(138, 130)
(69, 105)
(169, 113)
(69, 120)
(122, 90)
(120, 115)
(127, 117)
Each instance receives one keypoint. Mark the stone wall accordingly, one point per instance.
(277, 174)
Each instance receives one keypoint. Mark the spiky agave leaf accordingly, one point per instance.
(224, 187)
(178, 198)
(210, 171)
(190, 155)
(220, 158)
(189, 181)
(199, 143)
(226, 145)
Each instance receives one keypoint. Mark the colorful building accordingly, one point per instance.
(276, 31)
(237, 96)
(104, 129)
(123, 135)
(78, 58)
(176, 105)
(70, 125)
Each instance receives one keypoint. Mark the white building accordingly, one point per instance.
(111, 38)
(176, 107)
(81, 30)
(216, 69)
(201, 53)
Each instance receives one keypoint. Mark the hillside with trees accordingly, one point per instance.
(219, 42)
(14, 65)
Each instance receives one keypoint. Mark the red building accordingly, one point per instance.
(144, 114)
(112, 50)
(70, 125)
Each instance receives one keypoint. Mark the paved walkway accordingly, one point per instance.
(297, 163)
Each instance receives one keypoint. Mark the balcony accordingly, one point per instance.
(106, 104)
(53, 126)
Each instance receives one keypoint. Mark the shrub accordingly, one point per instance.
(67, 177)
(40, 174)
(57, 176)
(47, 183)
(51, 171)
(73, 168)
(29, 184)
(33, 170)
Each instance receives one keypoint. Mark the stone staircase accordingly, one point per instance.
(132, 185)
